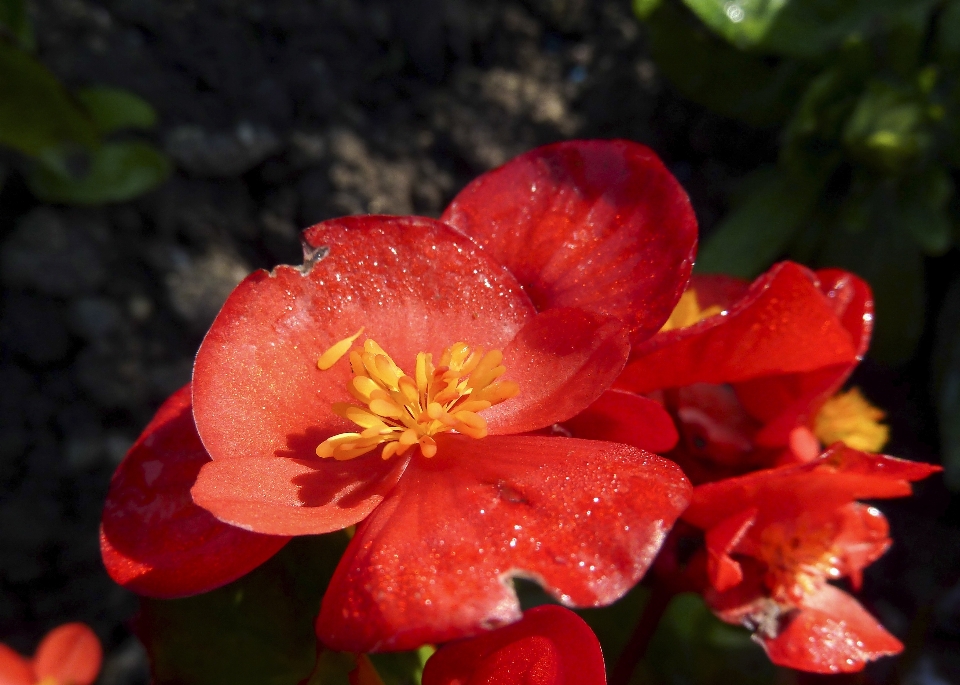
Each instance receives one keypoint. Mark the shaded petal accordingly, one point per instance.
(550, 645)
(784, 324)
(562, 360)
(283, 496)
(619, 416)
(832, 633)
(596, 224)
(817, 488)
(153, 538)
(584, 518)
(413, 283)
(15, 669)
(70, 653)
(722, 570)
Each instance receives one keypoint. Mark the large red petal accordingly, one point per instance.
(550, 645)
(153, 538)
(413, 283)
(784, 324)
(619, 416)
(562, 360)
(584, 518)
(70, 653)
(832, 633)
(599, 225)
(14, 669)
(284, 496)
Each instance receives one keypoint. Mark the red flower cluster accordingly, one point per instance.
(750, 374)
(68, 655)
(406, 379)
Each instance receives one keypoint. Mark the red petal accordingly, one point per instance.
(783, 325)
(550, 645)
(721, 540)
(562, 360)
(619, 416)
(852, 301)
(296, 496)
(433, 562)
(153, 538)
(862, 538)
(831, 634)
(14, 669)
(70, 653)
(839, 476)
(413, 283)
(599, 225)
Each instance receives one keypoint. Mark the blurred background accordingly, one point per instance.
(154, 152)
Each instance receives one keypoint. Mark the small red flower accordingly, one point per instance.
(68, 655)
(750, 372)
(456, 348)
(774, 538)
(550, 645)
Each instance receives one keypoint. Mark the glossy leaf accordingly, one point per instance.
(36, 112)
(759, 230)
(117, 172)
(116, 109)
(946, 384)
(256, 631)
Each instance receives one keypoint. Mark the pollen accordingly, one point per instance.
(800, 558)
(688, 312)
(848, 417)
(399, 411)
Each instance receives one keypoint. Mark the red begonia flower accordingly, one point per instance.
(774, 538)
(550, 645)
(153, 538)
(748, 370)
(586, 224)
(68, 655)
(439, 537)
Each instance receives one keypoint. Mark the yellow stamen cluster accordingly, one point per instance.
(849, 418)
(400, 411)
(688, 312)
(800, 558)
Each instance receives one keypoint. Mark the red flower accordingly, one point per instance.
(550, 645)
(68, 655)
(750, 372)
(774, 539)
(458, 504)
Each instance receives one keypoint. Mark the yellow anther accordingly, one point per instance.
(401, 412)
(848, 417)
(688, 312)
(336, 351)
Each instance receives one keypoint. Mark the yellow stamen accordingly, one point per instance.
(688, 312)
(401, 412)
(800, 558)
(848, 417)
(336, 351)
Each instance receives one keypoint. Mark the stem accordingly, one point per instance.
(660, 596)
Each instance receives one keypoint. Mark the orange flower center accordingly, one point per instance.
(399, 411)
(688, 312)
(799, 559)
(849, 418)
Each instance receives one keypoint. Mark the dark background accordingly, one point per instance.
(281, 114)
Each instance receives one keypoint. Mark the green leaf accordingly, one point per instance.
(257, 630)
(36, 112)
(402, 668)
(948, 33)
(718, 76)
(644, 8)
(761, 227)
(945, 372)
(15, 22)
(614, 624)
(692, 646)
(115, 109)
(922, 209)
(888, 258)
(887, 130)
(117, 172)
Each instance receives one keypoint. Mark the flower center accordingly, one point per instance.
(688, 312)
(399, 411)
(799, 559)
(849, 418)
